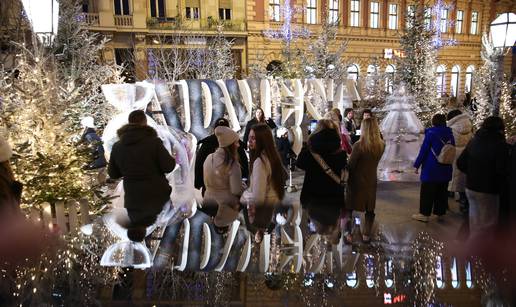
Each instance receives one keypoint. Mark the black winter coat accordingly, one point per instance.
(485, 162)
(253, 122)
(142, 160)
(208, 145)
(318, 187)
(285, 150)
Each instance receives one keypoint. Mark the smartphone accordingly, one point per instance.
(312, 126)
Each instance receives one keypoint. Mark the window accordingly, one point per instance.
(428, 18)
(121, 7)
(460, 20)
(192, 13)
(274, 10)
(440, 80)
(375, 15)
(333, 14)
(355, 13)
(411, 10)
(224, 14)
(393, 16)
(389, 78)
(455, 80)
(157, 8)
(353, 72)
(444, 21)
(474, 22)
(469, 78)
(311, 11)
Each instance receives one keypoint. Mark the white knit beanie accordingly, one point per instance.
(88, 122)
(5, 150)
(225, 136)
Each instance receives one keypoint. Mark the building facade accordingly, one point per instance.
(371, 27)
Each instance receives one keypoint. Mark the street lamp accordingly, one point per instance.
(503, 34)
(503, 30)
(44, 17)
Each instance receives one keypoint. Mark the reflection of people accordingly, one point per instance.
(267, 180)
(90, 136)
(485, 163)
(142, 160)
(223, 178)
(319, 188)
(208, 145)
(434, 175)
(259, 117)
(363, 164)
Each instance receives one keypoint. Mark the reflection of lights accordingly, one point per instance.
(389, 282)
(329, 282)
(469, 280)
(369, 263)
(308, 281)
(87, 229)
(439, 272)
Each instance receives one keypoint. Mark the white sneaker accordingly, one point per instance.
(420, 217)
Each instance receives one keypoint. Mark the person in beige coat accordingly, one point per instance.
(267, 187)
(223, 178)
(462, 129)
(362, 181)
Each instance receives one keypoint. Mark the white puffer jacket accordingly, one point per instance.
(462, 133)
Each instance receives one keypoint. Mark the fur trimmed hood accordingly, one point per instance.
(132, 134)
(462, 129)
(461, 124)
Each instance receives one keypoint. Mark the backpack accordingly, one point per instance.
(447, 154)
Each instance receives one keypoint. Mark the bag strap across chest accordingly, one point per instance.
(339, 180)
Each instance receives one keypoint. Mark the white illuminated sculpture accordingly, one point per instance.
(44, 18)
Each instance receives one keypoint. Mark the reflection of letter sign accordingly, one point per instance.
(399, 53)
(387, 53)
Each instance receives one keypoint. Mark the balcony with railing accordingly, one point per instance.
(123, 20)
(205, 24)
(91, 19)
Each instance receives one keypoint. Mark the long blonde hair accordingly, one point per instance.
(326, 123)
(370, 137)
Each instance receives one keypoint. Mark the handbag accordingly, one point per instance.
(447, 154)
(342, 180)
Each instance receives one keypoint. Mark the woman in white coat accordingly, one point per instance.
(461, 126)
(223, 178)
(267, 180)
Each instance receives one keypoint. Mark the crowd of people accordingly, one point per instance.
(339, 160)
